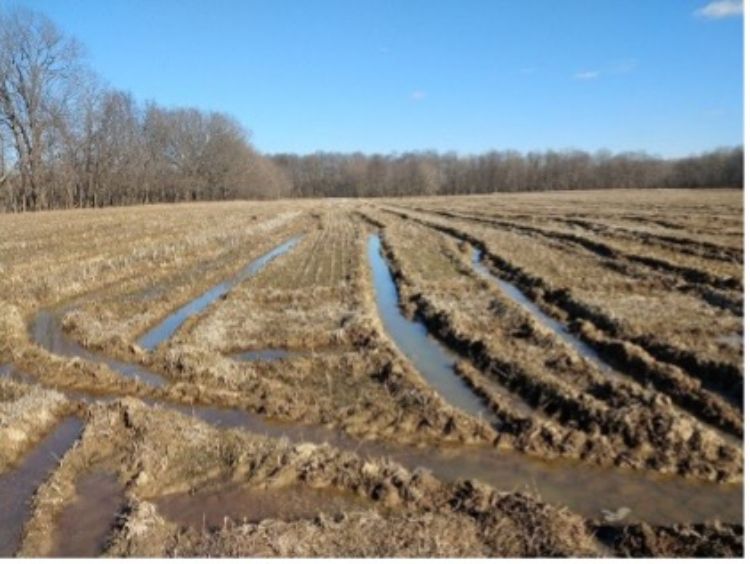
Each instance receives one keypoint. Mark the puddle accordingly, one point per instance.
(19, 484)
(429, 357)
(46, 331)
(585, 489)
(164, 330)
(265, 355)
(84, 524)
(207, 509)
(12, 373)
(271, 355)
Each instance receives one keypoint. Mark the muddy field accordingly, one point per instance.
(556, 374)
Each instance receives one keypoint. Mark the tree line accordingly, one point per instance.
(429, 173)
(68, 140)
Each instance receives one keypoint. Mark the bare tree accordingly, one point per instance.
(37, 65)
(67, 140)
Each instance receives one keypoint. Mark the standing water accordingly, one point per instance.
(586, 351)
(83, 526)
(19, 484)
(164, 330)
(47, 333)
(430, 358)
(585, 489)
(555, 326)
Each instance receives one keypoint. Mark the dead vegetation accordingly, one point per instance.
(662, 336)
(155, 453)
(580, 412)
(27, 413)
(658, 301)
(716, 540)
(316, 301)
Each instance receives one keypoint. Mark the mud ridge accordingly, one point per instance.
(719, 540)
(687, 389)
(703, 249)
(689, 274)
(565, 403)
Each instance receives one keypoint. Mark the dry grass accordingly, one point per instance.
(579, 411)
(27, 413)
(679, 331)
(316, 301)
(650, 279)
(424, 517)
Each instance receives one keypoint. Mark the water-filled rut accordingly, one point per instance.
(585, 489)
(431, 359)
(555, 326)
(19, 484)
(562, 332)
(84, 525)
(47, 332)
(164, 330)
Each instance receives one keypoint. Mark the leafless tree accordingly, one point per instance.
(68, 140)
(37, 67)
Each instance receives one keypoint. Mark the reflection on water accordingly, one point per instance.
(585, 489)
(587, 352)
(47, 333)
(19, 484)
(264, 355)
(430, 358)
(164, 330)
(555, 326)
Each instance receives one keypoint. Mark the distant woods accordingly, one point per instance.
(67, 140)
(427, 173)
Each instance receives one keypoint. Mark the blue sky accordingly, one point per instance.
(383, 76)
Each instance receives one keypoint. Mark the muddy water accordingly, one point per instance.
(83, 526)
(585, 489)
(164, 330)
(47, 332)
(207, 509)
(19, 484)
(11, 372)
(430, 358)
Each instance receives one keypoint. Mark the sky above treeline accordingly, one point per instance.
(662, 76)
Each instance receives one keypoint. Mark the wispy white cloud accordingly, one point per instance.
(718, 9)
(418, 95)
(586, 75)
